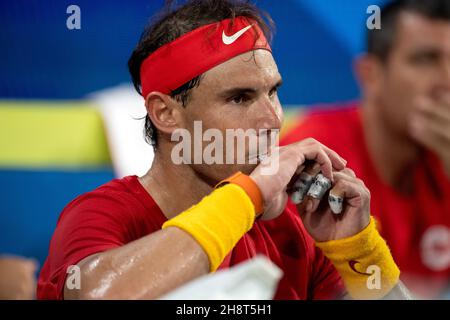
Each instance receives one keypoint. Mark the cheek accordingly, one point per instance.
(236, 117)
(225, 118)
(279, 111)
(399, 87)
(410, 81)
(398, 98)
(208, 115)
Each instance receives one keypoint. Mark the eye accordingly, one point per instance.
(239, 99)
(425, 58)
(273, 92)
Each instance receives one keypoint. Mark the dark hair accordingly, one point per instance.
(381, 41)
(175, 20)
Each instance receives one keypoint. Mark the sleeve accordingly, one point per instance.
(326, 281)
(89, 225)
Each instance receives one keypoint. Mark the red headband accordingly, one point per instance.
(198, 51)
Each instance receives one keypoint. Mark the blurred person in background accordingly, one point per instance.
(397, 138)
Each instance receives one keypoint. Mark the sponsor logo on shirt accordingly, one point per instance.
(435, 248)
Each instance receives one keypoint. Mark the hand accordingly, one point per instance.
(324, 225)
(289, 161)
(430, 126)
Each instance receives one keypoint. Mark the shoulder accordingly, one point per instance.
(121, 202)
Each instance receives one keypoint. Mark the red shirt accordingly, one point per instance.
(122, 211)
(416, 227)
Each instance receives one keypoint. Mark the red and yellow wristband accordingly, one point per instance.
(222, 218)
(364, 263)
(250, 187)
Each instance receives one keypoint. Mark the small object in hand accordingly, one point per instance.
(296, 197)
(301, 187)
(319, 187)
(336, 203)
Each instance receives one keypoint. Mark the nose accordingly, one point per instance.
(270, 115)
(441, 88)
(445, 77)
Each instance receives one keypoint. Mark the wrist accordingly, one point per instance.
(251, 188)
(218, 221)
(364, 262)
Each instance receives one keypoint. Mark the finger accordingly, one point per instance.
(336, 202)
(337, 194)
(441, 132)
(337, 161)
(336, 197)
(440, 112)
(321, 157)
(429, 124)
(347, 171)
(430, 133)
(315, 194)
(347, 188)
(300, 169)
(311, 149)
(303, 183)
(319, 187)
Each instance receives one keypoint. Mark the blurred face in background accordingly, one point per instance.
(416, 74)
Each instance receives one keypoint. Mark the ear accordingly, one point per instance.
(369, 71)
(163, 112)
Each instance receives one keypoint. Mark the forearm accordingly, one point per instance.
(144, 269)
(189, 245)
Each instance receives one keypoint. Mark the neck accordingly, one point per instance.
(393, 155)
(174, 188)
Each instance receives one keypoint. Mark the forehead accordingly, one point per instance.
(256, 68)
(414, 30)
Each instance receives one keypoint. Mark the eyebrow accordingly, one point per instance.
(427, 50)
(239, 91)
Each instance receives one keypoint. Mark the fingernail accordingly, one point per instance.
(309, 206)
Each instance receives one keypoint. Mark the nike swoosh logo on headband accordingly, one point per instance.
(231, 39)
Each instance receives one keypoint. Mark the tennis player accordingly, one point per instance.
(141, 237)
